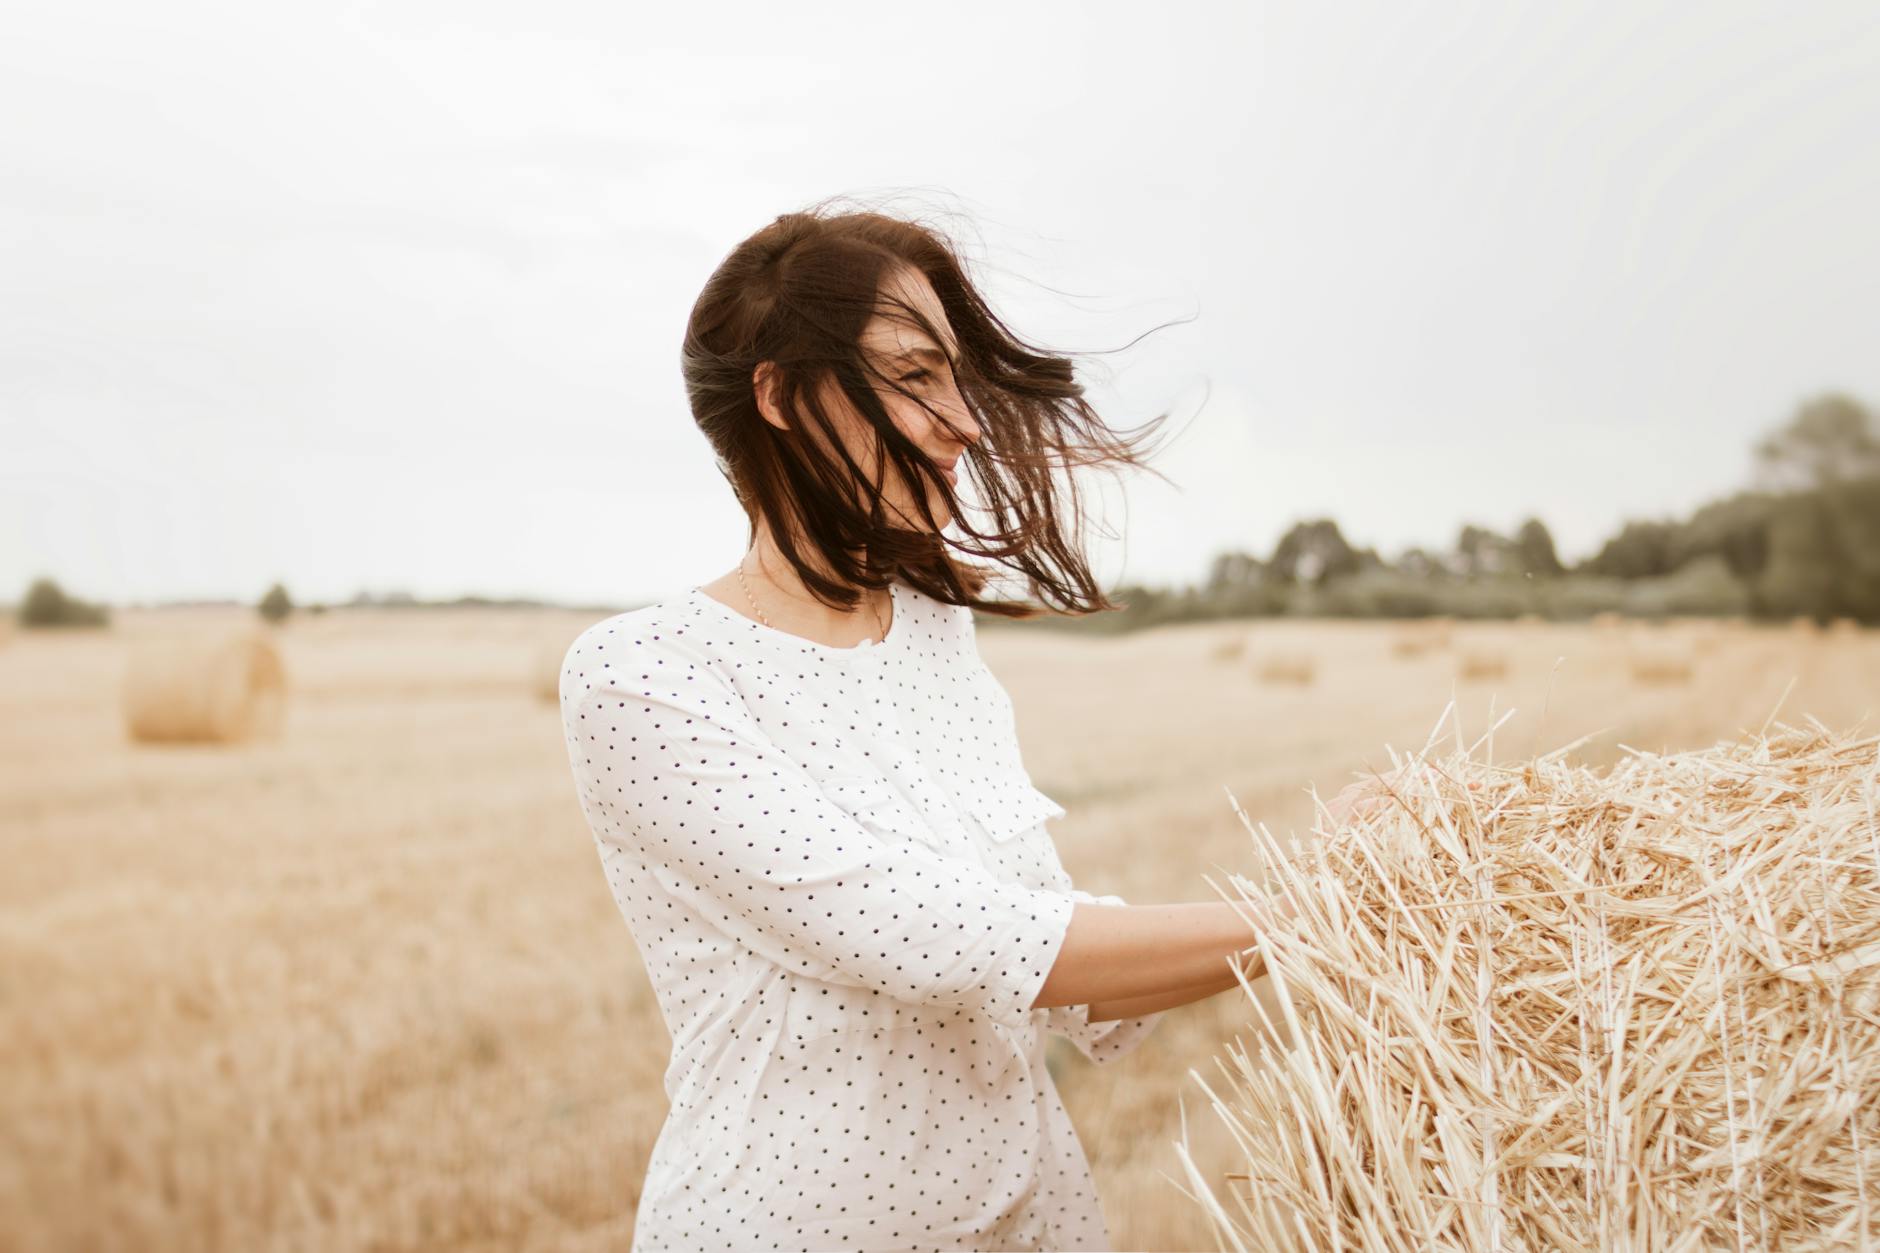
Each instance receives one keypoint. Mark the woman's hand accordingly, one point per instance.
(1367, 798)
(1361, 800)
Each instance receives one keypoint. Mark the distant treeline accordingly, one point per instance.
(47, 604)
(1805, 542)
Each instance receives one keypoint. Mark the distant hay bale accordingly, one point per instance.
(1538, 1006)
(205, 687)
(1607, 620)
(1844, 627)
(1482, 663)
(1287, 666)
(1231, 648)
(1422, 635)
(1659, 663)
(1529, 620)
(1803, 624)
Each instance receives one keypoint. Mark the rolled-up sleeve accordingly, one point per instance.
(1111, 1038)
(674, 770)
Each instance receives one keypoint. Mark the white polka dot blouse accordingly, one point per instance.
(840, 880)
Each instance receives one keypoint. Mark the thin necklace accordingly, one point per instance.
(764, 618)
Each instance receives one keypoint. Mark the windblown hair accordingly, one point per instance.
(798, 294)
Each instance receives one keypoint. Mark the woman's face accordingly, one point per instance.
(899, 350)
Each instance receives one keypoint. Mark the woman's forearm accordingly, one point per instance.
(1137, 1006)
(1131, 952)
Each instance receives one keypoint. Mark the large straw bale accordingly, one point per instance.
(1538, 1006)
(204, 686)
(1287, 666)
(1844, 627)
(1230, 647)
(1607, 620)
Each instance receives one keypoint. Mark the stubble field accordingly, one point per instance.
(362, 987)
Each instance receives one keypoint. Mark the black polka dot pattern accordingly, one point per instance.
(839, 877)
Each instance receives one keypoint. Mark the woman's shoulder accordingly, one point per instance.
(665, 632)
(663, 622)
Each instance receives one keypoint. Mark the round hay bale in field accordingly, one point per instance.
(205, 687)
(1287, 666)
(1230, 648)
(1482, 663)
(1607, 620)
(1803, 624)
(1540, 1006)
(1659, 663)
(1844, 627)
(1423, 635)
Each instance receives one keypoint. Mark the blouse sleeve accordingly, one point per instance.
(671, 767)
(1111, 1038)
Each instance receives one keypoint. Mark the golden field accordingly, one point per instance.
(362, 986)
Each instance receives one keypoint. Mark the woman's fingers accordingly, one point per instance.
(1356, 797)
(1370, 797)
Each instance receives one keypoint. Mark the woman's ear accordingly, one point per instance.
(764, 386)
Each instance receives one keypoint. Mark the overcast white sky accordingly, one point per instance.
(389, 296)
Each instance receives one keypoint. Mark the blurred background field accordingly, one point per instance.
(360, 985)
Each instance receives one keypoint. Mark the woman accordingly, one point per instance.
(807, 791)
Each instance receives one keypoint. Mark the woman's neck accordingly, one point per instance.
(771, 589)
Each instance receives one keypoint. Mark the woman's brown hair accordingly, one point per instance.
(798, 294)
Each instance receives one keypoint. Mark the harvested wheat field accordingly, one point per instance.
(360, 984)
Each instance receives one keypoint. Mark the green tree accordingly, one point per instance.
(1235, 569)
(1853, 509)
(1480, 551)
(47, 605)
(1534, 549)
(1313, 552)
(1736, 529)
(1641, 550)
(1419, 563)
(1803, 568)
(1830, 439)
(276, 605)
